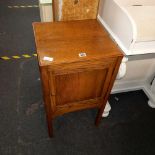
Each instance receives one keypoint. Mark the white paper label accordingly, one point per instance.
(48, 59)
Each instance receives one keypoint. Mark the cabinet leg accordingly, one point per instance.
(98, 118)
(99, 115)
(50, 128)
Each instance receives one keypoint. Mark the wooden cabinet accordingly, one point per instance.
(78, 65)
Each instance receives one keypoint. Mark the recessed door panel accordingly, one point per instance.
(79, 86)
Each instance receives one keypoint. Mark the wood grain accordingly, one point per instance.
(75, 9)
(74, 37)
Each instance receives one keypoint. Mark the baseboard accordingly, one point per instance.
(127, 86)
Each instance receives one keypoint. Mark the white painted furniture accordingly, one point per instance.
(131, 23)
(46, 13)
(120, 75)
(152, 102)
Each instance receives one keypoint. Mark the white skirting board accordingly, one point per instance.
(132, 86)
(136, 85)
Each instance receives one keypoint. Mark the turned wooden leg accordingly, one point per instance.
(50, 127)
(99, 115)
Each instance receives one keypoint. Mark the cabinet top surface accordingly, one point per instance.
(62, 42)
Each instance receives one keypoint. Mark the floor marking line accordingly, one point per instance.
(23, 6)
(26, 56)
(35, 55)
(5, 58)
(16, 6)
(18, 56)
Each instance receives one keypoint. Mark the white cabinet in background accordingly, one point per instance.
(46, 12)
(131, 23)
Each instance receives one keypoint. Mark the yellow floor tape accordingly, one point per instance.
(26, 56)
(5, 58)
(18, 57)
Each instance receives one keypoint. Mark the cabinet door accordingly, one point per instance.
(79, 85)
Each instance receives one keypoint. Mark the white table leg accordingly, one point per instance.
(106, 110)
(151, 104)
(121, 74)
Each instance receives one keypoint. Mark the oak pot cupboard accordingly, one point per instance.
(78, 65)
